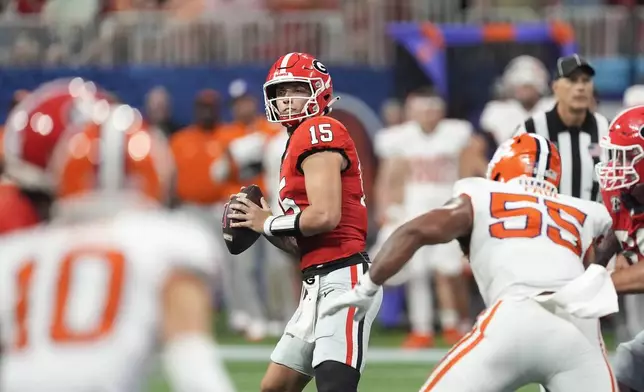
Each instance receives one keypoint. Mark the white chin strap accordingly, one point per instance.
(328, 107)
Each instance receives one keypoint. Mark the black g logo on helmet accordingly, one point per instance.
(320, 67)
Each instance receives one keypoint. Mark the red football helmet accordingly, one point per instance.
(298, 68)
(529, 157)
(625, 147)
(35, 126)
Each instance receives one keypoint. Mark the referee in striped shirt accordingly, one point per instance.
(573, 127)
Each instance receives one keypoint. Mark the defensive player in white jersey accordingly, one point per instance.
(426, 157)
(526, 245)
(85, 299)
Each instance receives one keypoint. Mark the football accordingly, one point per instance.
(241, 238)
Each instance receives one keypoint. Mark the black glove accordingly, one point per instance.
(635, 208)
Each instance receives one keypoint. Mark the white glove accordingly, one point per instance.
(361, 297)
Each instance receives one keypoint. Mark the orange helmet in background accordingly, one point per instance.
(121, 156)
(529, 157)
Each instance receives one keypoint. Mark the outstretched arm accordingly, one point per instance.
(438, 226)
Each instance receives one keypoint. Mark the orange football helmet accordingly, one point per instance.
(529, 157)
(122, 155)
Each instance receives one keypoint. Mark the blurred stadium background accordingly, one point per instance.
(164, 55)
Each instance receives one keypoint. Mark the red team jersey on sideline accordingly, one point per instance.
(628, 230)
(16, 210)
(349, 237)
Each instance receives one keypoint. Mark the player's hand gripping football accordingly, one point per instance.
(361, 297)
(249, 214)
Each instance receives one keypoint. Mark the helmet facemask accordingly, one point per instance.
(619, 171)
(305, 94)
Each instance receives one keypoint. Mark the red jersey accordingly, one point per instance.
(319, 134)
(629, 229)
(16, 210)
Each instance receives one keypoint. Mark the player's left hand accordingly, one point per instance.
(361, 297)
(249, 214)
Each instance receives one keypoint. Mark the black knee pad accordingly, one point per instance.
(332, 376)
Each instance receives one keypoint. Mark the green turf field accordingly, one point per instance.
(379, 377)
(390, 369)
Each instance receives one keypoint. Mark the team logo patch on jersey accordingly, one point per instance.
(615, 203)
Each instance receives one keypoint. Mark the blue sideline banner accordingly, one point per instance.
(368, 86)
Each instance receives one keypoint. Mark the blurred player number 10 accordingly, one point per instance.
(499, 209)
(60, 331)
(325, 136)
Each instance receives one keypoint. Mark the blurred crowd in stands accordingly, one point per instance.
(187, 32)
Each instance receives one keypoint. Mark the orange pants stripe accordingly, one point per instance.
(613, 387)
(466, 348)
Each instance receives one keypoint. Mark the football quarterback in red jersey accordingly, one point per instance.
(33, 129)
(621, 180)
(324, 223)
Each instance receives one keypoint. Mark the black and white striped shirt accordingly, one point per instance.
(578, 147)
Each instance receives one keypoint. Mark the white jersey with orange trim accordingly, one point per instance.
(80, 305)
(522, 246)
(433, 162)
(524, 243)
